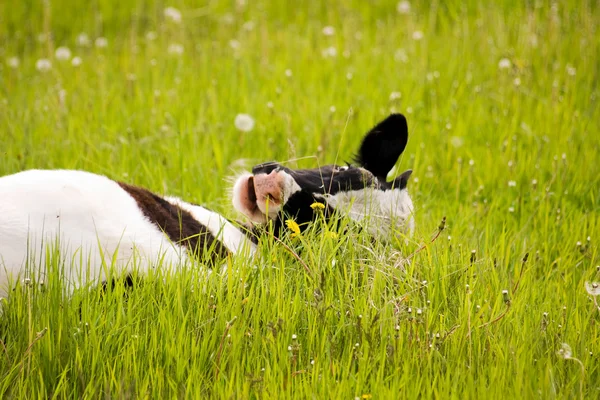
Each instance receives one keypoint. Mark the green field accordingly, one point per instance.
(502, 101)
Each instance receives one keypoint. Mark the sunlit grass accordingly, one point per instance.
(502, 105)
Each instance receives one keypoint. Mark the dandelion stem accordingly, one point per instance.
(293, 253)
(225, 332)
(437, 235)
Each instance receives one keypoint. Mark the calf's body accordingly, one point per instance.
(97, 223)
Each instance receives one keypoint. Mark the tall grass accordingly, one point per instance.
(502, 103)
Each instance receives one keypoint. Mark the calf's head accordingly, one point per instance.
(275, 192)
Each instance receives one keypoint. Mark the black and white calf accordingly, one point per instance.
(95, 221)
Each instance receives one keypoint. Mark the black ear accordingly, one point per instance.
(401, 181)
(383, 145)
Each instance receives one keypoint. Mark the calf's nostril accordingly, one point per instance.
(251, 190)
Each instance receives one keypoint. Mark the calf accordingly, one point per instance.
(97, 222)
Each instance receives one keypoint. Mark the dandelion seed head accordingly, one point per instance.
(13, 62)
(504, 63)
(288, 72)
(571, 71)
(395, 96)
(332, 109)
(593, 288)
(172, 14)
(62, 53)
(294, 337)
(43, 65)
(328, 30)
(565, 351)
(511, 209)
(175, 49)
(76, 61)
(517, 81)
(244, 122)
(417, 35)
(329, 52)
(512, 183)
(83, 40)
(101, 42)
(403, 7)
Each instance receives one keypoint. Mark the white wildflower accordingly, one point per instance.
(175, 48)
(593, 288)
(151, 36)
(62, 54)
(13, 62)
(288, 73)
(43, 65)
(565, 351)
(244, 122)
(329, 31)
(329, 52)
(504, 63)
(83, 40)
(517, 81)
(395, 96)
(403, 7)
(571, 70)
(512, 183)
(101, 42)
(172, 14)
(76, 61)
(417, 35)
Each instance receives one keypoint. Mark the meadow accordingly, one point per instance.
(502, 101)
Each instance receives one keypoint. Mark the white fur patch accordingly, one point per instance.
(381, 212)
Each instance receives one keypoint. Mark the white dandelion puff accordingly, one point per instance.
(417, 35)
(565, 351)
(83, 40)
(328, 30)
(13, 62)
(403, 7)
(571, 70)
(175, 48)
(151, 36)
(76, 61)
(244, 122)
(329, 52)
(512, 183)
(62, 54)
(43, 65)
(101, 42)
(504, 63)
(395, 96)
(172, 14)
(593, 288)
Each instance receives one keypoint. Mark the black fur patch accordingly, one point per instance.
(179, 225)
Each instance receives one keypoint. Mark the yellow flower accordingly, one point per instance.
(331, 234)
(367, 396)
(293, 226)
(317, 206)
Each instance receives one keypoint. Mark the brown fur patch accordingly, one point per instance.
(177, 223)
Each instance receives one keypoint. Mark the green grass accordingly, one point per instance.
(365, 322)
